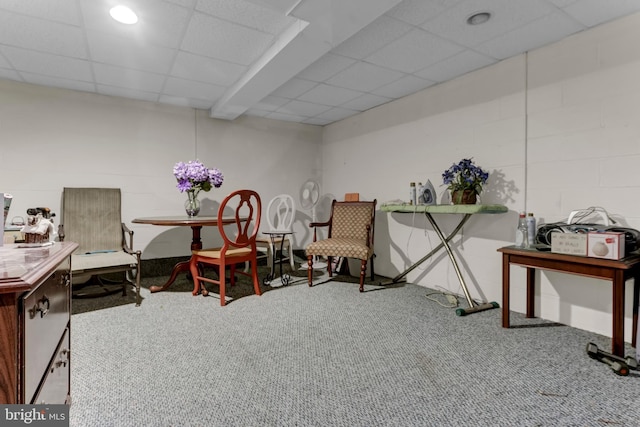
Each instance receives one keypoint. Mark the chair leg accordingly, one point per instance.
(270, 254)
(310, 269)
(292, 262)
(373, 276)
(363, 273)
(138, 298)
(329, 264)
(254, 275)
(193, 269)
(223, 279)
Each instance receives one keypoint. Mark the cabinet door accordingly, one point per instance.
(55, 387)
(46, 316)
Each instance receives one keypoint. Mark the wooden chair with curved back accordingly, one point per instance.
(238, 247)
(350, 236)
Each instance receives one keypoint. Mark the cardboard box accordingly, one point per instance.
(608, 244)
(569, 243)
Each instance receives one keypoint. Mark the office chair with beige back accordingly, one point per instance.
(238, 247)
(350, 236)
(91, 217)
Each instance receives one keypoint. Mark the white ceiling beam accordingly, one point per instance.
(321, 26)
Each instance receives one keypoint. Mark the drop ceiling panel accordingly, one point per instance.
(373, 37)
(593, 12)
(325, 67)
(206, 70)
(127, 78)
(364, 77)
(329, 95)
(216, 38)
(160, 23)
(403, 86)
(336, 113)
(294, 88)
(538, 33)
(257, 57)
(506, 15)
(414, 51)
(129, 93)
(193, 90)
(455, 66)
(41, 35)
(47, 64)
(365, 102)
(271, 103)
(303, 108)
(5, 73)
(247, 14)
(123, 52)
(416, 12)
(39, 79)
(66, 12)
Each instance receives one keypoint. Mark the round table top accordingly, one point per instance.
(178, 220)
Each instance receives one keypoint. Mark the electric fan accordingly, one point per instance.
(309, 197)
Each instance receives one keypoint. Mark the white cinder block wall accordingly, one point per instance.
(54, 138)
(557, 129)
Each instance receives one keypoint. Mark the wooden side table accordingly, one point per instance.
(617, 271)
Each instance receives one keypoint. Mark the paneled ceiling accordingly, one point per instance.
(307, 61)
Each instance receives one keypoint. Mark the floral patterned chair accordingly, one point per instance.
(350, 236)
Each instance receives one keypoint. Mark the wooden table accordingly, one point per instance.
(196, 223)
(618, 271)
(466, 211)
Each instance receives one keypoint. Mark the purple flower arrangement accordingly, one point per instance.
(193, 177)
(465, 176)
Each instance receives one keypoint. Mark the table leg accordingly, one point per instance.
(636, 302)
(284, 278)
(183, 266)
(531, 292)
(505, 290)
(617, 339)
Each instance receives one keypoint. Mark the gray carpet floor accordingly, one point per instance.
(331, 356)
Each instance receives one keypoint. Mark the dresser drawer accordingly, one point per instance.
(46, 317)
(55, 386)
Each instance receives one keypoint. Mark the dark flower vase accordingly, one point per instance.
(463, 197)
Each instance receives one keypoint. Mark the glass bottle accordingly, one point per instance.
(412, 193)
(522, 232)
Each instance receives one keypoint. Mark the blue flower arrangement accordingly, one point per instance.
(465, 176)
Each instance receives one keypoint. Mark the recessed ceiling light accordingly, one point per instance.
(478, 18)
(123, 14)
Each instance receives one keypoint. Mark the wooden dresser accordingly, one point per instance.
(35, 313)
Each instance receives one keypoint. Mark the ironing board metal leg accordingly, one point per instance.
(433, 252)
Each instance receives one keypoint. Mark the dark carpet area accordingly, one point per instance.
(183, 283)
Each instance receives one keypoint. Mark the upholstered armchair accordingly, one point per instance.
(91, 217)
(350, 235)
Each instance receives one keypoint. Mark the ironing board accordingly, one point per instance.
(466, 211)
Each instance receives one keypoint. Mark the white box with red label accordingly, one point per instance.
(606, 244)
